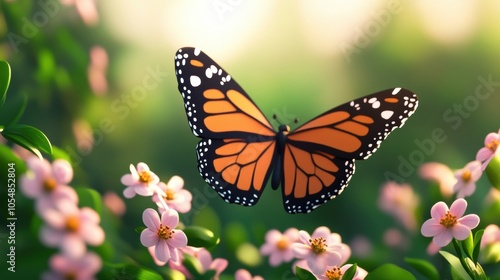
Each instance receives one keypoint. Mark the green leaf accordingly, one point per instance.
(28, 137)
(192, 265)
(477, 244)
(201, 237)
(349, 273)
(58, 153)
(89, 198)
(139, 229)
(424, 267)
(303, 274)
(127, 271)
(493, 172)
(468, 245)
(4, 80)
(389, 272)
(456, 265)
(14, 109)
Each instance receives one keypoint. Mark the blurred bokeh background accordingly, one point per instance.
(100, 80)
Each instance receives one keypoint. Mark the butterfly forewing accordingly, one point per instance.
(216, 106)
(357, 128)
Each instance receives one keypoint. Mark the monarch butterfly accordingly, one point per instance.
(239, 149)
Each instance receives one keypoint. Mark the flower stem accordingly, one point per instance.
(458, 249)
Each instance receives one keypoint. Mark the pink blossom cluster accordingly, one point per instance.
(164, 237)
(321, 252)
(66, 227)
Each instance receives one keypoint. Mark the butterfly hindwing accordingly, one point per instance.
(311, 178)
(357, 128)
(237, 169)
(216, 106)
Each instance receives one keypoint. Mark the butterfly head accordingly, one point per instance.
(284, 129)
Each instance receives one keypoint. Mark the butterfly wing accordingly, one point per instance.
(237, 149)
(216, 106)
(318, 158)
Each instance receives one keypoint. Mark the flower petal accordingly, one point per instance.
(162, 251)
(62, 170)
(170, 218)
(460, 232)
(151, 219)
(458, 207)
(431, 228)
(471, 220)
(149, 238)
(178, 240)
(442, 239)
(300, 250)
(321, 232)
(439, 210)
(175, 183)
(304, 237)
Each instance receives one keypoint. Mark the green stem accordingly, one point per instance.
(461, 258)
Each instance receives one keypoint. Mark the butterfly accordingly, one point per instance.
(240, 151)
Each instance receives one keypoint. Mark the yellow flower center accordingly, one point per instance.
(448, 220)
(72, 223)
(49, 184)
(318, 245)
(282, 244)
(493, 145)
(145, 177)
(333, 274)
(169, 194)
(466, 176)
(164, 232)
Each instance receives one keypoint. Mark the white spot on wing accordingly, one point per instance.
(387, 114)
(197, 51)
(396, 90)
(195, 81)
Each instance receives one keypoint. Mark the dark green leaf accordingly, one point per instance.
(304, 274)
(28, 137)
(349, 274)
(89, 198)
(477, 244)
(4, 80)
(13, 110)
(21, 142)
(468, 245)
(493, 172)
(126, 271)
(200, 237)
(139, 229)
(389, 272)
(424, 267)
(456, 265)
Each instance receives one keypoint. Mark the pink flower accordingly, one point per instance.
(87, 10)
(320, 249)
(140, 181)
(400, 201)
(467, 178)
(97, 70)
(447, 224)
(70, 228)
(491, 236)
(490, 149)
(114, 203)
(82, 268)
(336, 273)
(162, 234)
(174, 195)
(278, 245)
(206, 262)
(45, 181)
(242, 274)
(441, 174)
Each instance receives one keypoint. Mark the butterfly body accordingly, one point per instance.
(240, 151)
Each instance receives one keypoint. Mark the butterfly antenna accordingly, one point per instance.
(276, 118)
